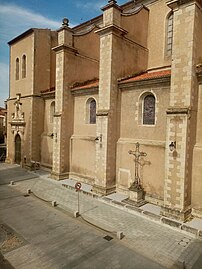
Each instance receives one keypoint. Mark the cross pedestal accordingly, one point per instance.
(136, 190)
(136, 196)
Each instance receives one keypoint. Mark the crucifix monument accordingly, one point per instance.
(136, 189)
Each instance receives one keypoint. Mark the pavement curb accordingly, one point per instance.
(157, 218)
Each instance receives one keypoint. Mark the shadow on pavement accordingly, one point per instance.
(4, 264)
(15, 174)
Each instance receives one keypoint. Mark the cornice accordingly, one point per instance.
(102, 112)
(17, 123)
(178, 110)
(145, 83)
(65, 47)
(112, 28)
(86, 91)
(173, 4)
(111, 3)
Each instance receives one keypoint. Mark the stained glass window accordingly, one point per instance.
(92, 112)
(149, 110)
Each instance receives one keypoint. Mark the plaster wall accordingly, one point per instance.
(17, 50)
(158, 12)
(151, 138)
(47, 135)
(83, 144)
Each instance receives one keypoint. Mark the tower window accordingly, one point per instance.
(24, 66)
(169, 39)
(17, 65)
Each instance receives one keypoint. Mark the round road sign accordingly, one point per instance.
(78, 186)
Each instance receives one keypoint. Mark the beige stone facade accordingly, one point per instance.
(82, 98)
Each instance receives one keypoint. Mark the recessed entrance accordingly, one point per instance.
(17, 149)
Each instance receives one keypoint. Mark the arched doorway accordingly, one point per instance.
(17, 149)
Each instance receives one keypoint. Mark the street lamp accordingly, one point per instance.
(172, 146)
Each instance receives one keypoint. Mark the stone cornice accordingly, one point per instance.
(57, 114)
(25, 96)
(65, 47)
(178, 110)
(65, 28)
(173, 4)
(111, 4)
(111, 29)
(17, 123)
(102, 112)
(48, 95)
(86, 91)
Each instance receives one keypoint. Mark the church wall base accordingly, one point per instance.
(176, 214)
(104, 190)
(58, 176)
(197, 213)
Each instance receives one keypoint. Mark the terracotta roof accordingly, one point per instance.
(48, 90)
(147, 76)
(90, 84)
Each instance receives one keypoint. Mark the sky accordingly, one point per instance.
(17, 16)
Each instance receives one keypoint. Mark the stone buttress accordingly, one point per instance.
(181, 113)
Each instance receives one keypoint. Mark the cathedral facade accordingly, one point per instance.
(115, 102)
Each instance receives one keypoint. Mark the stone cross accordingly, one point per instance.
(137, 153)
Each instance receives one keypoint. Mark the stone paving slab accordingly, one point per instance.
(141, 234)
(164, 244)
(119, 197)
(151, 208)
(57, 241)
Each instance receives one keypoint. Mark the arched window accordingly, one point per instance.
(17, 65)
(24, 66)
(149, 110)
(91, 111)
(169, 34)
(52, 111)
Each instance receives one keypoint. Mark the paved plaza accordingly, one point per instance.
(50, 237)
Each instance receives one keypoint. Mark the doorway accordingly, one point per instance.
(17, 149)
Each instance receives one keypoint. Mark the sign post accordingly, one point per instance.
(77, 187)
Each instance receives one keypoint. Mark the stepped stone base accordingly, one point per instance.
(176, 214)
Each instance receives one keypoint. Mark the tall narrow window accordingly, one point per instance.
(52, 111)
(169, 42)
(149, 110)
(24, 66)
(91, 111)
(17, 65)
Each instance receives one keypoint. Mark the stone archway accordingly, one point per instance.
(18, 149)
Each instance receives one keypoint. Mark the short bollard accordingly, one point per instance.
(29, 191)
(76, 214)
(119, 235)
(54, 203)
